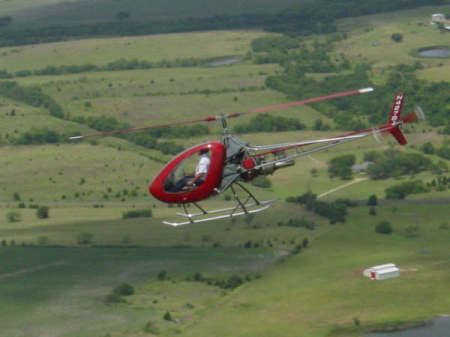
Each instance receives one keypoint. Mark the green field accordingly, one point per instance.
(317, 291)
(370, 39)
(150, 48)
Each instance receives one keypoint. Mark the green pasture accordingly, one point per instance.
(370, 38)
(60, 291)
(108, 228)
(146, 97)
(321, 291)
(54, 173)
(153, 48)
(439, 73)
(16, 118)
(318, 291)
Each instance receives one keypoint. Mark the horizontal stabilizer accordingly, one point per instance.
(398, 135)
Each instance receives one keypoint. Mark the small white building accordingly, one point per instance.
(438, 17)
(361, 168)
(382, 272)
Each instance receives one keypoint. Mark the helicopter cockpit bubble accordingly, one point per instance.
(192, 175)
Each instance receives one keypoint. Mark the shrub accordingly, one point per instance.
(372, 211)
(372, 201)
(341, 166)
(384, 227)
(167, 316)
(400, 191)
(16, 196)
(137, 213)
(151, 328)
(84, 238)
(13, 216)
(305, 243)
(124, 289)
(162, 275)
(397, 37)
(42, 212)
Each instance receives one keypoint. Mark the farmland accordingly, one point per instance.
(55, 272)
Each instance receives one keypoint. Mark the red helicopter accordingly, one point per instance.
(229, 163)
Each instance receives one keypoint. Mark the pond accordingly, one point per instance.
(439, 327)
(434, 52)
(226, 61)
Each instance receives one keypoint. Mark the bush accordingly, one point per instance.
(397, 37)
(401, 191)
(341, 166)
(151, 328)
(167, 316)
(13, 216)
(138, 213)
(372, 201)
(384, 227)
(162, 275)
(124, 289)
(42, 212)
(84, 238)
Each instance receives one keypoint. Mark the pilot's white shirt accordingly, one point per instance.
(203, 164)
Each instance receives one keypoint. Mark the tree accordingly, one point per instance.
(167, 316)
(42, 212)
(162, 275)
(428, 148)
(341, 166)
(397, 37)
(124, 289)
(384, 227)
(305, 243)
(372, 201)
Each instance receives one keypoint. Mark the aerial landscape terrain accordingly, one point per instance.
(83, 247)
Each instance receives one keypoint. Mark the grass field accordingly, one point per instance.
(370, 38)
(150, 48)
(60, 292)
(52, 285)
(315, 292)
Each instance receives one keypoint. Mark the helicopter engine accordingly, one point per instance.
(258, 165)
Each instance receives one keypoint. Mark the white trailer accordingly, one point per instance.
(382, 272)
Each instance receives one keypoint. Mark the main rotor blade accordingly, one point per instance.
(310, 100)
(232, 115)
(115, 132)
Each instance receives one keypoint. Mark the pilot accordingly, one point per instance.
(199, 175)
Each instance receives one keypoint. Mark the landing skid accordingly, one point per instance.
(235, 211)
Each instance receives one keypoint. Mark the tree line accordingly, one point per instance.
(117, 65)
(312, 17)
